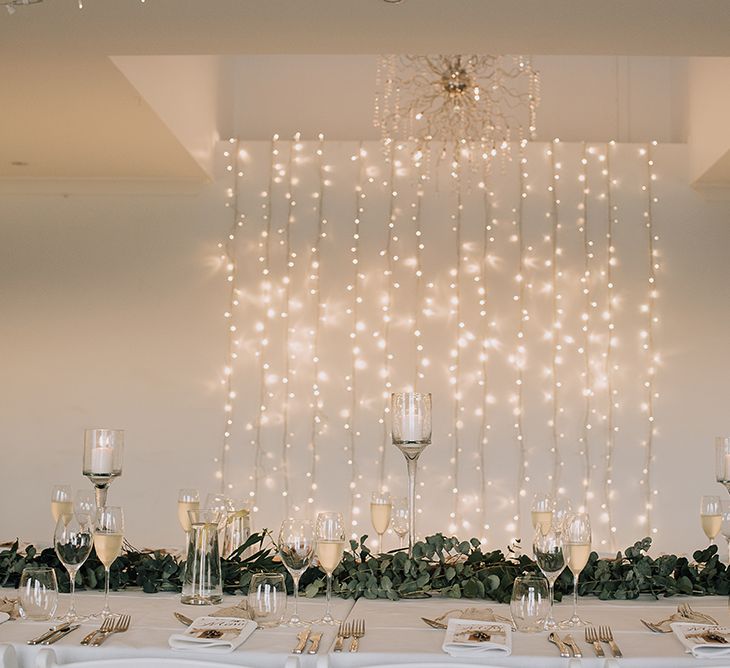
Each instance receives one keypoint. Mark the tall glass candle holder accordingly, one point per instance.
(722, 460)
(103, 451)
(411, 431)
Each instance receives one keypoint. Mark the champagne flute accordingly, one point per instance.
(577, 548)
(725, 529)
(330, 531)
(548, 548)
(72, 541)
(542, 511)
(187, 499)
(381, 508)
(711, 516)
(400, 518)
(61, 502)
(85, 505)
(108, 537)
(562, 507)
(296, 549)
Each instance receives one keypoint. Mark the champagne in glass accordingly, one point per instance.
(61, 503)
(330, 532)
(542, 511)
(411, 431)
(577, 548)
(72, 541)
(296, 549)
(187, 499)
(381, 508)
(711, 516)
(549, 555)
(108, 537)
(400, 518)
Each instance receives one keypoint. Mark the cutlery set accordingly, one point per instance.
(110, 626)
(684, 613)
(594, 636)
(304, 637)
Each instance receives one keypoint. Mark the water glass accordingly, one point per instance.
(38, 593)
(267, 599)
(202, 580)
(530, 603)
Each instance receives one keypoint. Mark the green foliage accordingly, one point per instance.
(440, 565)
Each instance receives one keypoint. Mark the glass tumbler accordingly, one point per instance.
(530, 604)
(267, 599)
(38, 596)
(203, 581)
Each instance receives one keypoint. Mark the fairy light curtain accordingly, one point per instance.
(526, 302)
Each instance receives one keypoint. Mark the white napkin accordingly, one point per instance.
(235, 632)
(699, 647)
(462, 638)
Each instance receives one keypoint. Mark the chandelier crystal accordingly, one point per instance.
(475, 105)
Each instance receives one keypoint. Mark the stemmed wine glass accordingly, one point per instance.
(381, 508)
(542, 511)
(296, 549)
(577, 548)
(72, 541)
(85, 504)
(711, 516)
(725, 529)
(103, 450)
(411, 431)
(330, 531)
(108, 537)
(548, 548)
(61, 502)
(187, 499)
(399, 519)
(562, 507)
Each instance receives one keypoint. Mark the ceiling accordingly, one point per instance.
(579, 27)
(74, 109)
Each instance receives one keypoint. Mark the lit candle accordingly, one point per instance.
(102, 460)
(409, 427)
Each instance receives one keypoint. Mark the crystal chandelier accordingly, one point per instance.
(475, 106)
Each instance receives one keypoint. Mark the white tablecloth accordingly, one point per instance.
(394, 633)
(153, 623)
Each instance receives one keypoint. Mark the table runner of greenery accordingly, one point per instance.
(440, 566)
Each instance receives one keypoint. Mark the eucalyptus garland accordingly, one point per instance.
(439, 566)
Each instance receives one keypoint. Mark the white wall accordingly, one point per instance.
(111, 315)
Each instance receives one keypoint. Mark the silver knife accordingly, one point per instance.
(570, 642)
(303, 638)
(314, 647)
(182, 618)
(49, 633)
(60, 634)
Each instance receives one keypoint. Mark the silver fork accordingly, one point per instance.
(606, 635)
(358, 631)
(342, 634)
(106, 625)
(120, 626)
(592, 638)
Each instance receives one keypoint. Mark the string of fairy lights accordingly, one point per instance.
(647, 335)
(316, 405)
(263, 350)
(555, 332)
(353, 287)
(585, 317)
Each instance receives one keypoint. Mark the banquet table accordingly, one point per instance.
(395, 634)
